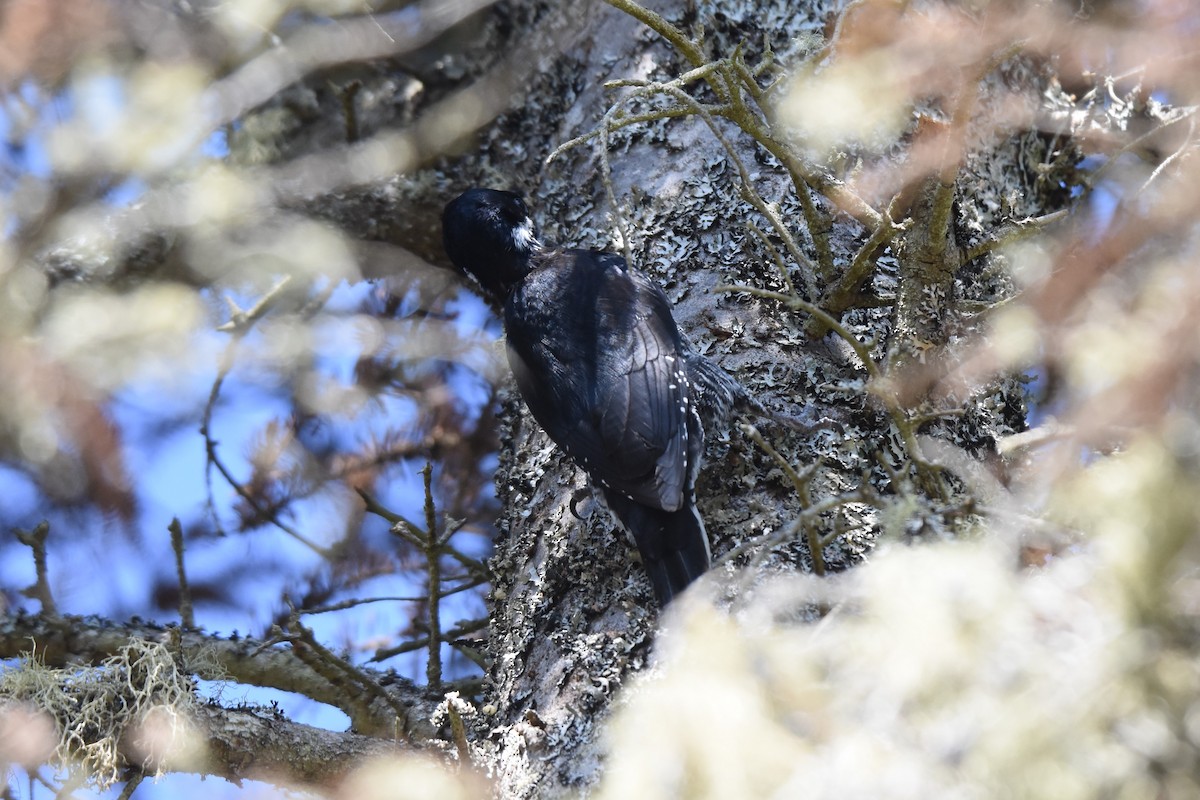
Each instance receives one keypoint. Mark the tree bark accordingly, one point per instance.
(572, 612)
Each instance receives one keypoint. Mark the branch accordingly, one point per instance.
(843, 294)
(800, 482)
(185, 594)
(249, 744)
(1013, 233)
(362, 693)
(211, 657)
(690, 50)
(246, 744)
(943, 200)
(879, 385)
(433, 555)
(35, 540)
(240, 323)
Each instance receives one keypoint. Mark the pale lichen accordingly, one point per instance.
(136, 700)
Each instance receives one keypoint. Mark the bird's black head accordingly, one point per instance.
(488, 234)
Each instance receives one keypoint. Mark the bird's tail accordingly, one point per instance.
(673, 544)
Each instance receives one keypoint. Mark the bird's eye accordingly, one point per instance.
(516, 211)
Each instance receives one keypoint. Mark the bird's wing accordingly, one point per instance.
(642, 397)
(618, 405)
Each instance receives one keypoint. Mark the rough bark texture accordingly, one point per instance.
(248, 743)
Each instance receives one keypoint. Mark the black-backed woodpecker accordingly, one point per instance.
(603, 367)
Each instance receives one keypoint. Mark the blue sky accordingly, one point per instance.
(102, 566)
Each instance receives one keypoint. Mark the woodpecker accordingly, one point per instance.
(604, 370)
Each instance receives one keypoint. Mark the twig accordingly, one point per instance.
(839, 297)
(337, 671)
(722, 75)
(347, 604)
(35, 540)
(800, 484)
(776, 538)
(239, 324)
(690, 50)
(776, 256)
(1014, 233)
(929, 416)
(724, 83)
(619, 122)
(131, 786)
(615, 120)
(749, 193)
(379, 510)
(1133, 144)
(458, 732)
(185, 594)
(461, 629)
(268, 513)
(433, 554)
(947, 175)
(860, 349)
(1048, 432)
(611, 194)
(1183, 147)
(928, 471)
(404, 529)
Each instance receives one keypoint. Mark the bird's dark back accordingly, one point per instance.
(599, 362)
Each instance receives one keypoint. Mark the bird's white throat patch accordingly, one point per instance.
(524, 239)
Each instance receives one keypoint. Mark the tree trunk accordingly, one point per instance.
(572, 612)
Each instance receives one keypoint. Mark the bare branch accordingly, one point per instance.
(185, 595)
(40, 591)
